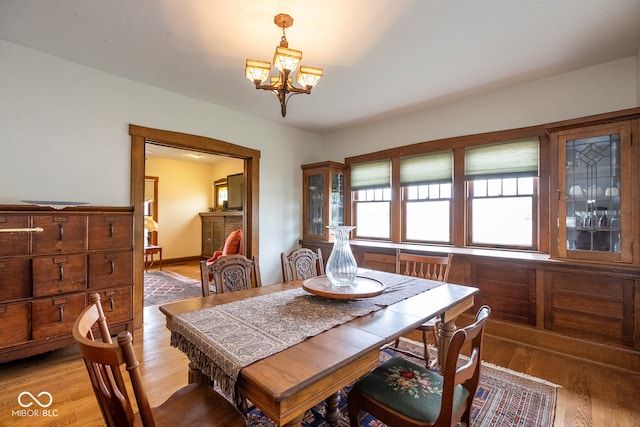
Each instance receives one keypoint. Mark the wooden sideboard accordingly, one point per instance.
(46, 274)
(216, 226)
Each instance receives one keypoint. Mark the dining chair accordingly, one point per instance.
(380, 262)
(192, 405)
(230, 273)
(401, 393)
(302, 264)
(426, 267)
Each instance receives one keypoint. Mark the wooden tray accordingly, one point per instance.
(361, 287)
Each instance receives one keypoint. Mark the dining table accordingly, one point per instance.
(285, 348)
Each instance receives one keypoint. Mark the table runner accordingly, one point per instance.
(221, 340)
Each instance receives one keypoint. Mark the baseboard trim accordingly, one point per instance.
(605, 354)
(181, 260)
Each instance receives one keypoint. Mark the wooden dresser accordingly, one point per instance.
(46, 274)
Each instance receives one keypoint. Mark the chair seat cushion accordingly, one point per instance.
(409, 389)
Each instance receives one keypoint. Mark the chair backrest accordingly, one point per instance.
(302, 264)
(230, 273)
(468, 373)
(103, 360)
(380, 262)
(233, 245)
(426, 267)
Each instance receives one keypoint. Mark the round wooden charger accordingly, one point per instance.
(361, 287)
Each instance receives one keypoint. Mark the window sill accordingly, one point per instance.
(445, 250)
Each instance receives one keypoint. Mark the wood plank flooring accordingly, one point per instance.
(592, 395)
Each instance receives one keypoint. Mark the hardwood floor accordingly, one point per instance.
(592, 395)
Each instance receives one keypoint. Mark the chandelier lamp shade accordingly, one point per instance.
(286, 61)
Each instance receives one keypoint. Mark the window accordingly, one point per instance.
(372, 208)
(371, 186)
(502, 212)
(427, 213)
(502, 182)
(427, 190)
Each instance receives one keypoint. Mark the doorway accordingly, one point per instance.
(139, 137)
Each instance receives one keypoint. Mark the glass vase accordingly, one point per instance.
(341, 268)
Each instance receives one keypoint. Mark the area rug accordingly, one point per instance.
(504, 398)
(161, 287)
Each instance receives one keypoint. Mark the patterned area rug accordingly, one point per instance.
(504, 399)
(161, 287)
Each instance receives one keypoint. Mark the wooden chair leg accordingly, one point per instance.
(425, 343)
(434, 362)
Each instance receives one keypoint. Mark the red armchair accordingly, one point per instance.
(232, 246)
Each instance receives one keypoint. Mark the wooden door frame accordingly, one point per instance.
(141, 135)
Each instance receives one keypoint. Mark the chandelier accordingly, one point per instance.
(286, 61)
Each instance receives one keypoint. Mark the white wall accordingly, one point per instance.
(593, 90)
(64, 136)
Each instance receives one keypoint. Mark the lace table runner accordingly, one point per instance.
(221, 340)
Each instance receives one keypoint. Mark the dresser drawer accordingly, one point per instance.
(14, 243)
(59, 274)
(62, 233)
(110, 269)
(14, 279)
(53, 317)
(14, 323)
(110, 232)
(117, 304)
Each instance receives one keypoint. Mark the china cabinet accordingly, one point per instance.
(322, 199)
(595, 193)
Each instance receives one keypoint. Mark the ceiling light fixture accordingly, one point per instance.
(286, 61)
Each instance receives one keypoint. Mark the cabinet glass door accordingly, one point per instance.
(594, 212)
(593, 193)
(315, 197)
(336, 196)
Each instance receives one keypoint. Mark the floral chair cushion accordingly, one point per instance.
(409, 388)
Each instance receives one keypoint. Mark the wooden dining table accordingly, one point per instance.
(286, 384)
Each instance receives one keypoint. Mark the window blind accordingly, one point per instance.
(426, 168)
(371, 175)
(510, 159)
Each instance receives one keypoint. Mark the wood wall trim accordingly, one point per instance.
(449, 144)
(139, 136)
(619, 357)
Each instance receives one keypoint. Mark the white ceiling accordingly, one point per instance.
(380, 57)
